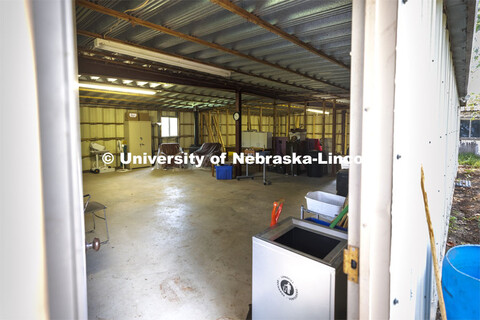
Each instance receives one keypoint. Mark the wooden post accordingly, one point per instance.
(249, 122)
(314, 124)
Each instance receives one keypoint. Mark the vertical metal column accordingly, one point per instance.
(344, 131)
(274, 118)
(377, 158)
(305, 116)
(196, 130)
(334, 137)
(354, 173)
(56, 60)
(334, 128)
(324, 116)
(238, 129)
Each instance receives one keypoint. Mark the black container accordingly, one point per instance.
(316, 169)
(342, 182)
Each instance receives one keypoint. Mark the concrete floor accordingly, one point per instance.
(180, 241)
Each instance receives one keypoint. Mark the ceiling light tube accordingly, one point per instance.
(317, 111)
(110, 87)
(126, 49)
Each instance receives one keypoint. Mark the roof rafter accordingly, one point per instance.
(276, 30)
(174, 33)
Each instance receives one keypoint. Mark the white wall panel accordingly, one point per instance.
(426, 132)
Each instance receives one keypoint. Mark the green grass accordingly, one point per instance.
(469, 159)
(452, 224)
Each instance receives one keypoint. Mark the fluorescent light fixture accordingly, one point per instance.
(158, 57)
(167, 85)
(127, 81)
(317, 111)
(141, 83)
(154, 84)
(112, 79)
(109, 87)
(94, 77)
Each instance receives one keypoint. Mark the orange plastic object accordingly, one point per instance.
(277, 209)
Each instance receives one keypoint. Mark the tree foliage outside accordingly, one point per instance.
(474, 99)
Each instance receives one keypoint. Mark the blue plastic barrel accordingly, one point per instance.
(461, 282)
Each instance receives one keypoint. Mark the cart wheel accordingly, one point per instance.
(96, 171)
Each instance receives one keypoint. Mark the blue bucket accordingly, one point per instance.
(461, 282)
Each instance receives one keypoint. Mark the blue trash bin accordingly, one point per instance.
(224, 172)
(461, 282)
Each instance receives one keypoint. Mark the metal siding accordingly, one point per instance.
(105, 126)
(426, 131)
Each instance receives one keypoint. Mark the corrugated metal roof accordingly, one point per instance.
(324, 24)
(461, 25)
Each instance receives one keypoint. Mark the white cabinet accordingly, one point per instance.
(253, 139)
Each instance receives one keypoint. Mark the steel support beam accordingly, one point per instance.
(238, 129)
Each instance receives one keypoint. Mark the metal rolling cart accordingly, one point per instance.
(246, 176)
(264, 168)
